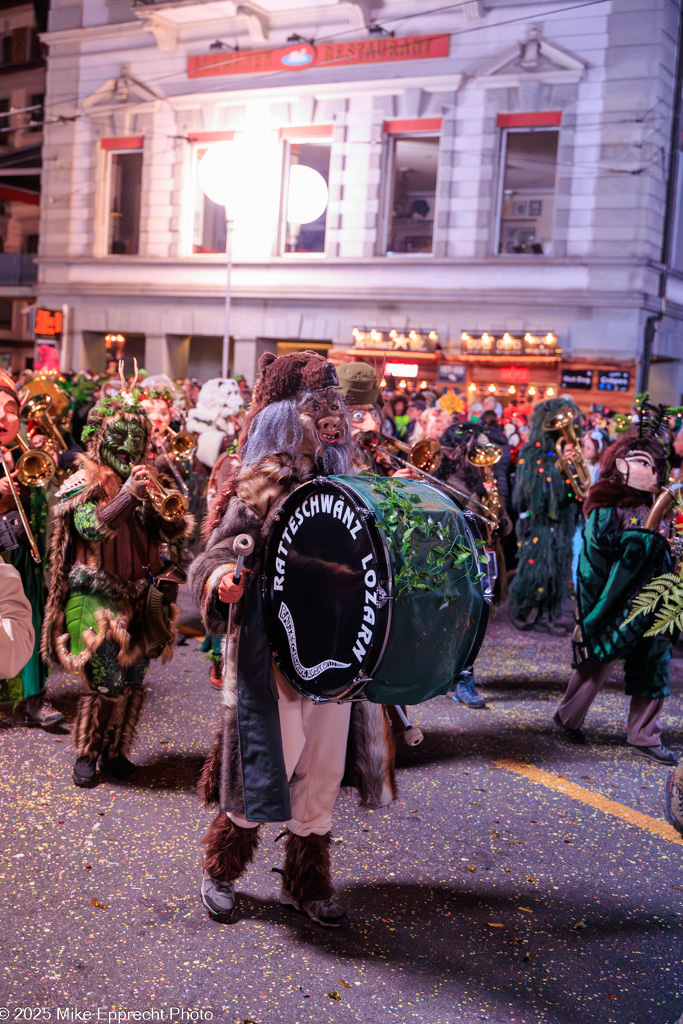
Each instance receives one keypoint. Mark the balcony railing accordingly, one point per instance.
(17, 269)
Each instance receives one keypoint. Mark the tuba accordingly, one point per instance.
(575, 467)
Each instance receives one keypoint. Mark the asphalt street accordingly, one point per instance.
(517, 879)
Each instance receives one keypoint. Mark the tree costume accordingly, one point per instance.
(29, 683)
(619, 557)
(110, 605)
(547, 512)
(278, 756)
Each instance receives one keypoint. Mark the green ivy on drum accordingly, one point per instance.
(409, 529)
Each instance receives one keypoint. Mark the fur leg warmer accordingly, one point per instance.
(92, 717)
(209, 785)
(306, 873)
(229, 848)
(135, 698)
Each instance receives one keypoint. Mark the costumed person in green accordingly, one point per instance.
(17, 549)
(619, 557)
(547, 510)
(110, 607)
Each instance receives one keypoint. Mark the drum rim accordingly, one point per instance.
(355, 689)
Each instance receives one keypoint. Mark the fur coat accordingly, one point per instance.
(76, 563)
(252, 781)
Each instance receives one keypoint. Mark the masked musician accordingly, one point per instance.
(26, 554)
(618, 558)
(296, 428)
(110, 605)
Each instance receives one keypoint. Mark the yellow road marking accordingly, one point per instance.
(658, 828)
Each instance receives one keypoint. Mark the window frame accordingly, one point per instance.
(110, 150)
(505, 131)
(304, 136)
(387, 190)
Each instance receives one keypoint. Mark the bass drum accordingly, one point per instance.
(341, 621)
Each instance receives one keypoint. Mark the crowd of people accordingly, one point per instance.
(115, 489)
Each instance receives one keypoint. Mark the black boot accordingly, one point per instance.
(466, 692)
(85, 773)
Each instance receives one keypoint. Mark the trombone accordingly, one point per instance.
(35, 553)
(171, 505)
(370, 439)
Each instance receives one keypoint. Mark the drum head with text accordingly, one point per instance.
(326, 591)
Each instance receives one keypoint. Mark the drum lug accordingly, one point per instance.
(382, 596)
(365, 513)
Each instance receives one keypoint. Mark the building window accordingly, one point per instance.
(125, 186)
(528, 172)
(6, 50)
(412, 167)
(305, 196)
(5, 314)
(36, 117)
(208, 225)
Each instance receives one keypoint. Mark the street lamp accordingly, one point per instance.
(217, 180)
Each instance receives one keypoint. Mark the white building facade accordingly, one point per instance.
(496, 179)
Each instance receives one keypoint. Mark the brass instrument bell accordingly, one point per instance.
(171, 505)
(183, 443)
(35, 466)
(425, 455)
(575, 467)
(484, 455)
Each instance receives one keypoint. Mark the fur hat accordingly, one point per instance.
(358, 384)
(285, 376)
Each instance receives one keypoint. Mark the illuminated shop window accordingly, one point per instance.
(528, 172)
(125, 186)
(305, 196)
(412, 172)
(208, 223)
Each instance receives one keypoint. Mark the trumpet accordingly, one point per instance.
(35, 553)
(575, 467)
(370, 439)
(171, 505)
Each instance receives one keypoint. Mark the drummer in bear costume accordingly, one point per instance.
(279, 756)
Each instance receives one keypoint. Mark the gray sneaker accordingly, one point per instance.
(660, 754)
(218, 897)
(327, 913)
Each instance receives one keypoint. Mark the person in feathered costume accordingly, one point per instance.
(547, 510)
(278, 756)
(110, 607)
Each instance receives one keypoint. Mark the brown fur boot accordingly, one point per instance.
(93, 712)
(120, 733)
(229, 848)
(306, 882)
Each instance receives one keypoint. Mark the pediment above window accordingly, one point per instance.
(119, 92)
(533, 59)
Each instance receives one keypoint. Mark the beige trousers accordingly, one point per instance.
(585, 683)
(314, 739)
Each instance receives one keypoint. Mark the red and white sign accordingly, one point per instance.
(298, 56)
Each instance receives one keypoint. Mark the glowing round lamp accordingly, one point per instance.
(402, 384)
(308, 195)
(550, 393)
(216, 173)
(471, 387)
(492, 388)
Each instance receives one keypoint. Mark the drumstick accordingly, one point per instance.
(243, 545)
